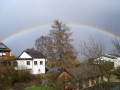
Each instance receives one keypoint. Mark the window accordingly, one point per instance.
(2, 54)
(35, 62)
(28, 62)
(41, 62)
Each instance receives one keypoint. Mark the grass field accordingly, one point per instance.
(113, 77)
(39, 88)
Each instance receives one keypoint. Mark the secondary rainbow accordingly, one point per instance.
(92, 28)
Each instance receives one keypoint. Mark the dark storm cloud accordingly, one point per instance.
(16, 15)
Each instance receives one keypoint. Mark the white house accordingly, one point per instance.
(111, 58)
(33, 61)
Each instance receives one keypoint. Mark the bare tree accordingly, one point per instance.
(116, 44)
(91, 49)
(44, 44)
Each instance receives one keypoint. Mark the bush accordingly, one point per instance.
(19, 86)
(59, 63)
(117, 72)
(6, 77)
(23, 76)
(9, 77)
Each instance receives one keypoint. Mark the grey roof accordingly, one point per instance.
(3, 47)
(85, 71)
(35, 54)
(54, 70)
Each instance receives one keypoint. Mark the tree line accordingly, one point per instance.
(57, 45)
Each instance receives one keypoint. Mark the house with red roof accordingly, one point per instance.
(82, 77)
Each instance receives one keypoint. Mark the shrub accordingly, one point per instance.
(117, 72)
(19, 86)
(10, 77)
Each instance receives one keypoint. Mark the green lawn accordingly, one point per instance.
(113, 77)
(39, 88)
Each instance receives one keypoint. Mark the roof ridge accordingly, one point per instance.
(5, 47)
(35, 54)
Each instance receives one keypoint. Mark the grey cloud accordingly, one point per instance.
(16, 15)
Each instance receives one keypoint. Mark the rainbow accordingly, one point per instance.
(24, 31)
(93, 28)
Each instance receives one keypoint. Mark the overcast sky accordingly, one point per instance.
(21, 15)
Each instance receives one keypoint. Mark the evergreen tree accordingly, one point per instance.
(60, 35)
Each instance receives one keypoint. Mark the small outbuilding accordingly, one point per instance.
(81, 77)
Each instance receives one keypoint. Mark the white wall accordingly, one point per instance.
(37, 69)
(22, 64)
(115, 61)
(25, 55)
